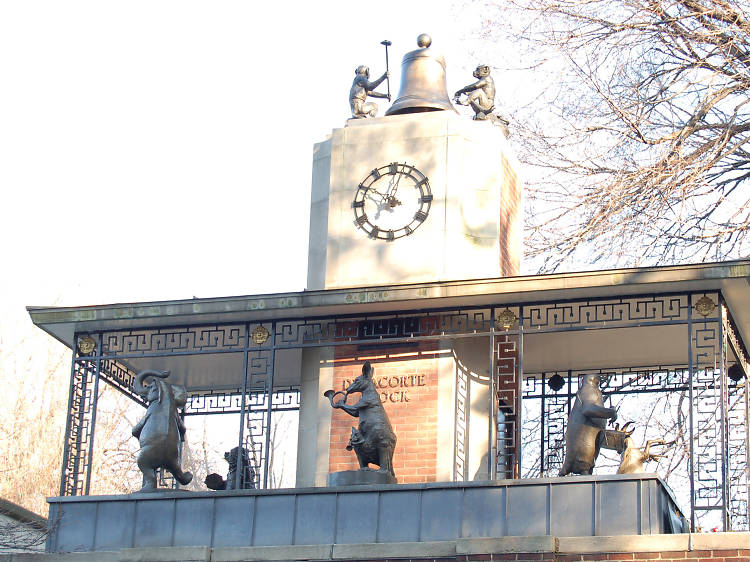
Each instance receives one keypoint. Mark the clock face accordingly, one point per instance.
(392, 201)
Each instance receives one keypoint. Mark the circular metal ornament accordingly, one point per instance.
(506, 319)
(392, 201)
(556, 382)
(86, 345)
(260, 335)
(705, 306)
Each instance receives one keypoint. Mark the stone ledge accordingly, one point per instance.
(166, 554)
(624, 543)
(277, 553)
(394, 549)
(501, 545)
(719, 541)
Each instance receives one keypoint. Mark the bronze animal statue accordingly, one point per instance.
(247, 473)
(586, 434)
(361, 89)
(481, 97)
(632, 458)
(373, 441)
(161, 431)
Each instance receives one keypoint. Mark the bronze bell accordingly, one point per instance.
(423, 86)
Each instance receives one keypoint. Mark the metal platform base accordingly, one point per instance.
(565, 507)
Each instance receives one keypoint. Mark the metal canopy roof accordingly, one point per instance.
(731, 277)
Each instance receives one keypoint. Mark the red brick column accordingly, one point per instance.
(510, 222)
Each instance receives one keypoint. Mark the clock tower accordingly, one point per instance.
(421, 194)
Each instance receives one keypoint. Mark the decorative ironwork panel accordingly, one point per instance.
(545, 419)
(120, 376)
(330, 331)
(737, 478)
(285, 399)
(460, 462)
(708, 419)
(508, 402)
(79, 434)
(213, 402)
(611, 312)
(646, 380)
(173, 341)
(256, 428)
(655, 400)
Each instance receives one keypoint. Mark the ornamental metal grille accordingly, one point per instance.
(522, 414)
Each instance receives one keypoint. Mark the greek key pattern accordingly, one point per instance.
(462, 399)
(737, 480)
(591, 313)
(213, 402)
(707, 410)
(506, 358)
(366, 329)
(192, 339)
(120, 376)
(78, 440)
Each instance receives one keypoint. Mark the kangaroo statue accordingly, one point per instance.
(373, 440)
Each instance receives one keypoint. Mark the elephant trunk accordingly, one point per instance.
(138, 386)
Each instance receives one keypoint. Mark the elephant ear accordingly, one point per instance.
(180, 395)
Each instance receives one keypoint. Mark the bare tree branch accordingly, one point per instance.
(636, 142)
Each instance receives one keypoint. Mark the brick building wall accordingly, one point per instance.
(408, 384)
(722, 555)
(510, 221)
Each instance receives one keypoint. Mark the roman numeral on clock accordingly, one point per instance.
(361, 220)
(420, 216)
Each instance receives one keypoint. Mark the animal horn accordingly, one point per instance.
(330, 394)
(138, 385)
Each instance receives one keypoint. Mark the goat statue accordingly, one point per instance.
(632, 458)
(373, 440)
(161, 431)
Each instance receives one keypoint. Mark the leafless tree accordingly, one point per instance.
(21, 530)
(634, 139)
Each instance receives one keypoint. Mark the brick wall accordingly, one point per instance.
(510, 221)
(728, 555)
(408, 385)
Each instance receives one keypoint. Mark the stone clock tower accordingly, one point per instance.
(421, 194)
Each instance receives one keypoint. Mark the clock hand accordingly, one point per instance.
(391, 196)
(385, 202)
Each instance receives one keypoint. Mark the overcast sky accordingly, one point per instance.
(160, 150)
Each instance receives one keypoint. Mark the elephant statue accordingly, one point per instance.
(161, 431)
